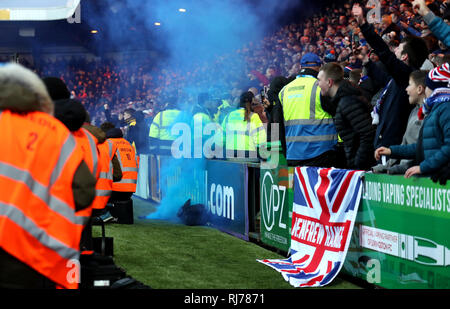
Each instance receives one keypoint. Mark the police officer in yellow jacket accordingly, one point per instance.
(200, 119)
(244, 130)
(160, 137)
(222, 110)
(311, 136)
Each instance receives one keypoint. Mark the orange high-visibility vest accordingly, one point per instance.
(103, 188)
(128, 163)
(38, 225)
(88, 145)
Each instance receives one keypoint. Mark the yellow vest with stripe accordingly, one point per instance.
(162, 123)
(243, 136)
(310, 131)
(160, 129)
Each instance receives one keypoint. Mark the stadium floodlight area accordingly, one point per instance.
(37, 10)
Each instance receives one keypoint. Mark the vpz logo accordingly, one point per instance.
(272, 198)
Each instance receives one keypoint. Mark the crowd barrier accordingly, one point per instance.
(400, 238)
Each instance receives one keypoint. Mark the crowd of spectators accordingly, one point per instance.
(398, 68)
(333, 34)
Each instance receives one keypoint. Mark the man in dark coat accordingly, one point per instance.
(352, 119)
(275, 110)
(392, 109)
(136, 130)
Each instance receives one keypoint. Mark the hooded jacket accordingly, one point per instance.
(354, 126)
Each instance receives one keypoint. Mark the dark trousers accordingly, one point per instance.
(17, 275)
(123, 207)
(327, 159)
(86, 236)
(120, 196)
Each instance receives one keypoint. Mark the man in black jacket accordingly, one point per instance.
(275, 110)
(136, 130)
(352, 119)
(392, 109)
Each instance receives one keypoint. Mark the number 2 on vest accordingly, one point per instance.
(32, 138)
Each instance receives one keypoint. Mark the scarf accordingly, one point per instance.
(438, 95)
(380, 101)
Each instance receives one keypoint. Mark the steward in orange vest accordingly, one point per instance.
(123, 190)
(43, 183)
(73, 114)
(108, 171)
(128, 162)
(104, 184)
(98, 153)
(109, 165)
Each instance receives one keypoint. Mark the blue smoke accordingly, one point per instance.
(181, 179)
(204, 39)
(207, 31)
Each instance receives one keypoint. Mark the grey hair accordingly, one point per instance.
(23, 90)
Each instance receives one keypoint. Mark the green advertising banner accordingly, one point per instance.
(276, 206)
(400, 239)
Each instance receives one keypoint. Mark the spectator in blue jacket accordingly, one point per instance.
(432, 150)
(436, 24)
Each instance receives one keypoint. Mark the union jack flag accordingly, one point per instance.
(326, 201)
